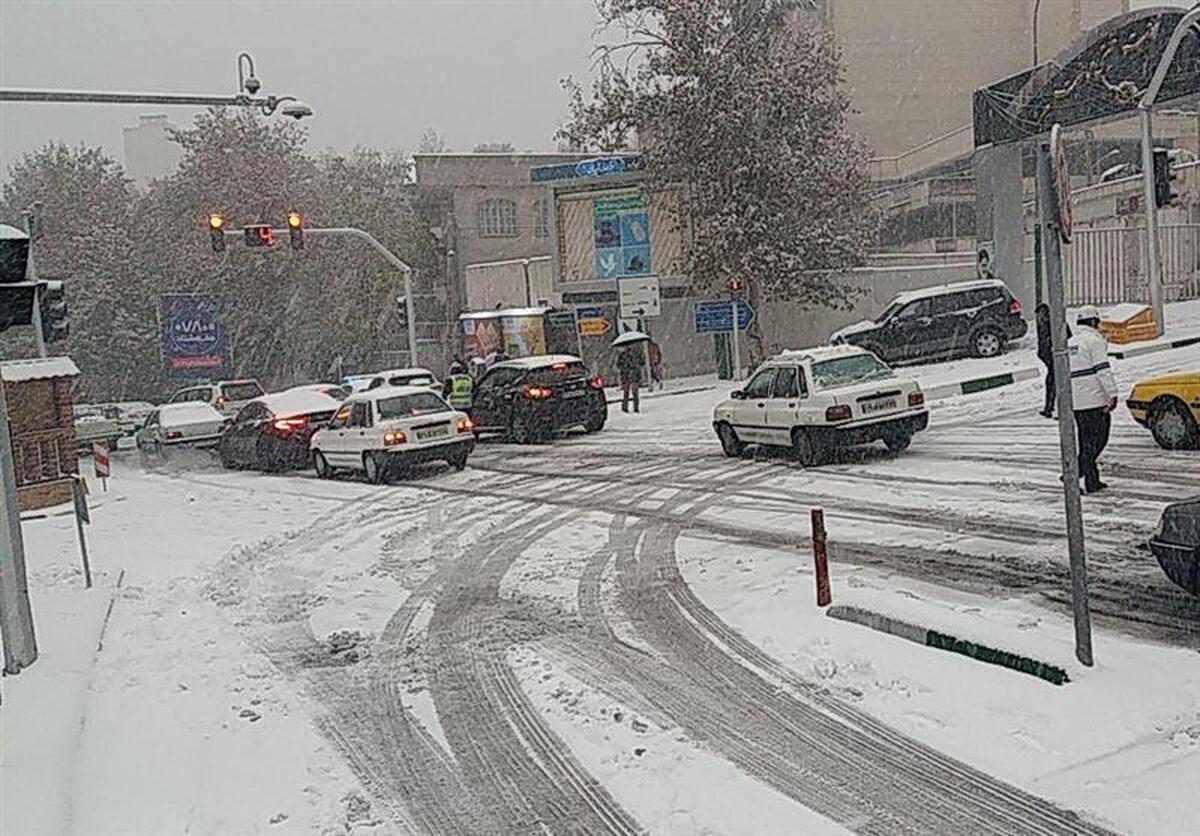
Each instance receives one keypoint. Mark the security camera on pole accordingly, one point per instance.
(1054, 191)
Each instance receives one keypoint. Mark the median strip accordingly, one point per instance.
(1121, 353)
(975, 385)
(944, 641)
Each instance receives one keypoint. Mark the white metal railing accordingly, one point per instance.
(1106, 266)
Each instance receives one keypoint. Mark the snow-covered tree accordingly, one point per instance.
(738, 101)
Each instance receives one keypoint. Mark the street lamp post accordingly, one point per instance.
(246, 96)
(528, 292)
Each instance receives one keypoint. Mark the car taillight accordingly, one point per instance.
(220, 402)
(465, 425)
(916, 398)
(596, 382)
(536, 393)
(838, 413)
(1014, 307)
(173, 434)
(393, 437)
(290, 425)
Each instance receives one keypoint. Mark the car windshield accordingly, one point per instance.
(852, 369)
(889, 312)
(241, 391)
(408, 406)
(411, 380)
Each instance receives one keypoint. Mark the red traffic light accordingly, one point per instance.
(259, 235)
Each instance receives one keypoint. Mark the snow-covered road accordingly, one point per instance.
(615, 634)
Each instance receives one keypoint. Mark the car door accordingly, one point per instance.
(492, 402)
(241, 438)
(357, 428)
(953, 316)
(750, 414)
(332, 441)
(908, 330)
(782, 406)
(147, 436)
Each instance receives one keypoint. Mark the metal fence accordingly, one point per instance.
(1107, 266)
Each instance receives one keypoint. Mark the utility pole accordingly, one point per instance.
(16, 616)
(1050, 223)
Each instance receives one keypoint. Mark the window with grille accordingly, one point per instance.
(497, 218)
(541, 217)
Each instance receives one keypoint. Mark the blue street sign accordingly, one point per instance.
(597, 167)
(590, 313)
(715, 316)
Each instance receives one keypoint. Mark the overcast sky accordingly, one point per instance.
(375, 73)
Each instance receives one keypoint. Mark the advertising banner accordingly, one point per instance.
(194, 342)
(622, 237)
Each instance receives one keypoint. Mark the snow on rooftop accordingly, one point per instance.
(540, 361)
(19, 371)
(821, 352)
(1122, 312)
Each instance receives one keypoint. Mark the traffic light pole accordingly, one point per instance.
(16, 616)
(39, 335)
(1153, 245)
(388, 255)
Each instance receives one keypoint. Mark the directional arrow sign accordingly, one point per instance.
(594, 327)
(715, 316)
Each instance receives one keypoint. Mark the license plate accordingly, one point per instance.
(436, 432)
(878, 406)
(574, 394)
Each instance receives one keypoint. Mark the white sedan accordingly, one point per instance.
(193, 424)
(389, 428)
(815, 400)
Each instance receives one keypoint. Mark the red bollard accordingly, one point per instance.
(820, 558)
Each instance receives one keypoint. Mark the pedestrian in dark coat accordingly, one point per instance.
(1045, 353)
(629, 369)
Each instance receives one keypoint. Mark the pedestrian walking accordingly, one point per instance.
(1094, 392)
(655, 358)
(1045, 353)
(458, 387)
(629, 370)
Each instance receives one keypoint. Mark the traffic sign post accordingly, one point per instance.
(639, 297)
(737, 348)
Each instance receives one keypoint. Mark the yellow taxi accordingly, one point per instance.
(1169, 406)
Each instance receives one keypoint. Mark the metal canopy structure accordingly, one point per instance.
(1102, 77)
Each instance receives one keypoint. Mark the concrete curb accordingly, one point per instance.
(943, 641)
(1163, 345)
(650, 396)
(979, 384)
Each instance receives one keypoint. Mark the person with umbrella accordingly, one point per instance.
(630, 360)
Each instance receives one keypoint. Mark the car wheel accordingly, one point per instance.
(731, 445)
(1172, 425)
(987, 343)
(321, 465)
(458, 461)
(227, 460)
(521, 433)
(375, 469)
(897, 442)
(805, 448)
(595, 423)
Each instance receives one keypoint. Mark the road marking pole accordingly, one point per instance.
(820, 558)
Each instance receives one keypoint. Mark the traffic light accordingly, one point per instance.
(55, 322)
(1163, 177)
(402, 311)
(216, 232)
(259, 235)
(296, 229)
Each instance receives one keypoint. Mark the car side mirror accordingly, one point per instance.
(738, 395)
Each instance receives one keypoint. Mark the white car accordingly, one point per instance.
(178, 424)
(816, 400)
(226, 396)
(391, 427)
(412, 376)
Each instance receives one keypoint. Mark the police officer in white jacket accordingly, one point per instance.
(1094, 393)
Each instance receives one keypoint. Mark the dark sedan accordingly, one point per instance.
(531, 398)
(1176, 544)
(271, 433)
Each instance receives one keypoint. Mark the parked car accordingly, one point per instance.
(530, 398)
(390, 428)
(1169, 406)
(978, 318)
(819, 399)
(413, 376)
(94, 426)
(334, 390)
(180, 424)
(1176, 544)
(272, 433)
(225, 396)
(128, 415)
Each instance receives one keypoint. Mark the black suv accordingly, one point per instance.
(530, 398)
(978, 318)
